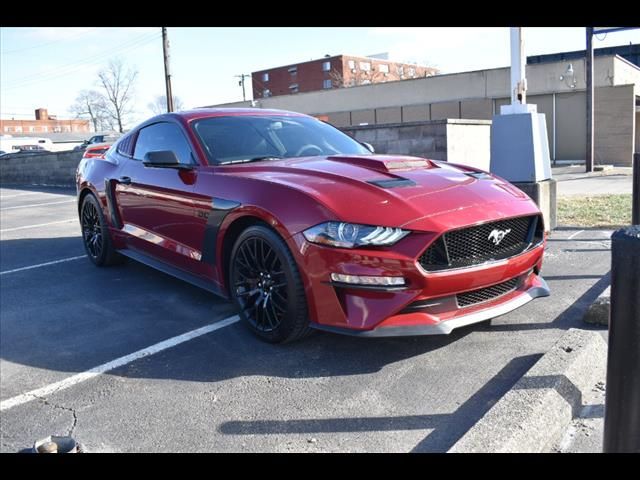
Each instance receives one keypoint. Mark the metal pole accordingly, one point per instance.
(622, 405)
(635, 197)
(167, 73)
(518, 80)
(590, 96)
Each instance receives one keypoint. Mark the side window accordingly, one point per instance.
(163, 136)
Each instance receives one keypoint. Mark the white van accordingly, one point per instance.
(10, 144)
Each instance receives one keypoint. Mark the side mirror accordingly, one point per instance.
(368, 146)
(163, 159)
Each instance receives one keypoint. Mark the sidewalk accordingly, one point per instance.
(573, 180)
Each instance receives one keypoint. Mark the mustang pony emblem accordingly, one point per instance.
(496, 236)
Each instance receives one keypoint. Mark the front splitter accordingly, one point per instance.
(447, 326)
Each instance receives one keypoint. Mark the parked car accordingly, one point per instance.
(303, 227)
(101, 138)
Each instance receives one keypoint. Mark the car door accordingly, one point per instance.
(157, 204)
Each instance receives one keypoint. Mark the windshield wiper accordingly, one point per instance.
(265, 157)
(254, 159)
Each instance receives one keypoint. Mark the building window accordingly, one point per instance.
(326, 66)
(412, 72)
(45, 129)
(32, 129)
(401, 71)
(18, 129)
(265, 77)
(352, 64)
(293, 70)
(383, 67)
(366, 66)
(67, 128)
(326, 83)
(266, 93)
(7, 129)
(293, 88)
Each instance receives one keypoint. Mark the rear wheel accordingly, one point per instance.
(95, 234)
(266, 286)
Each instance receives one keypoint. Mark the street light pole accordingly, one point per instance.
(167, 73)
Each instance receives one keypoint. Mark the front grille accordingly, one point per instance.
(485, 294)
(475, 245)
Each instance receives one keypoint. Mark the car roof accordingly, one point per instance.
(198, 113)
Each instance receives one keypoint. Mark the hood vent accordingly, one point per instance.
(393, 183)
(479, 175)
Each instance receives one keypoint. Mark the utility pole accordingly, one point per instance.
(167, 73)
(590, 93)
(241, 82)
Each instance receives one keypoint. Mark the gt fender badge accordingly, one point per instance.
(496, 236)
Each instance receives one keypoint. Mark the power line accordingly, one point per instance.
(87, 60)
(75, 35)
(70, 69)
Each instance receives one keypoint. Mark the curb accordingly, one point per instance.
(534, 414)
(598, 311)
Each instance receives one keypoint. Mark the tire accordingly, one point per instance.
(95, 234)
(265, 285)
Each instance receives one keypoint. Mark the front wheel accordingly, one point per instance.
(266, 286)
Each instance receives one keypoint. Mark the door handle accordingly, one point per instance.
(125, 180)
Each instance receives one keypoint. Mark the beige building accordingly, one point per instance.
(558, 88)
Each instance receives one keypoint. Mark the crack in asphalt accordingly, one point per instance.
(55, 405)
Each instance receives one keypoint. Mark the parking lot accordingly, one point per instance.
(220, 389)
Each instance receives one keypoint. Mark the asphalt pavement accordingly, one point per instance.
(224, 390)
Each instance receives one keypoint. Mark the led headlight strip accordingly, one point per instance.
(351, 235)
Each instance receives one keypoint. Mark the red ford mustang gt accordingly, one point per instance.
(303, 227)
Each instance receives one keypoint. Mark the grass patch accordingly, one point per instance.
(595, 210)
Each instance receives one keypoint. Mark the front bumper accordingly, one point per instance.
(445, 327)
(409, 310)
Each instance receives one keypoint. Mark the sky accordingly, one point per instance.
(47, 67)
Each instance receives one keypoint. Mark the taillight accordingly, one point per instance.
(95, 153)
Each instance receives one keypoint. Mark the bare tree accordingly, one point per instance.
(395, 72)
(118, 83)
(91, 104)
(159, 104)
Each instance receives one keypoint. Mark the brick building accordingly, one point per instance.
(332, 72)
(44, 123)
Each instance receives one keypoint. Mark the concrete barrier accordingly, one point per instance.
(454, 140)
(532, 416)
(49, 169)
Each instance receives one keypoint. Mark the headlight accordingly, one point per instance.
(351, 235)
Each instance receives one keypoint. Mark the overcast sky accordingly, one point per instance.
(47, 67)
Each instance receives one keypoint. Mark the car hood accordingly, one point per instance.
(399, 191)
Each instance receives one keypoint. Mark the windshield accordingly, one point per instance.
(250, 138)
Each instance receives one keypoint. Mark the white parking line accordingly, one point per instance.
(42, 265)
(570, 237)
(38, 225)
(37, 205)
(3, 197)
(118, 362)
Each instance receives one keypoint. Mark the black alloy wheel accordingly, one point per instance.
(95, 234)
(266, 286)
(92, 230)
